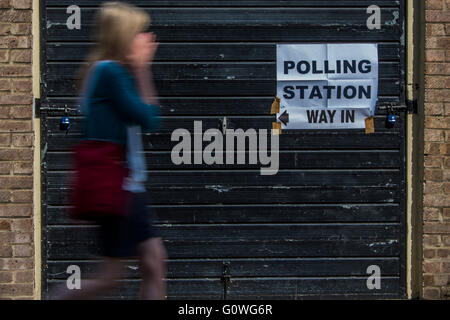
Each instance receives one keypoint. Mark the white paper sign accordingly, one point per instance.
(326, 86)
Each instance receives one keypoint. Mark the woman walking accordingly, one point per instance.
(119, 100)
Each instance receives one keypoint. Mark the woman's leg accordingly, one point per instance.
(110, 271)
(153, 257)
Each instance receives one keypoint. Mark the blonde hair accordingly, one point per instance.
(116, 25)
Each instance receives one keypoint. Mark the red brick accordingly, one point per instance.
(22, 70)
(446, 175)
(443, 42)
(436, 227)
(429, 253)
(443, 253)
(16, 210)
(22, 85)
(6, 276)
(434, 55)
(19, 155)
(428, 280)
(437, 95)
(432, 267)
(5, 225)
(21, 4)
(436, 200)
(4, 56)
(431, 293)
(22, 139)
(25, 168)
(435, 29)
(15, 125)
(433, 187)
(437, 68)
(434, 4)
(435, 82)
(431, 148)
(446, 240)
(446, 267)
(16, 98)
(16, 16)
(431, 240)
(22, 250)
(23, 237)
(433, 161)
(5, 85)
(25, 56)
(16, 289)
(446, 211)
(440, 280)
(444, 149)
(431, 42)
(22, 196)
(5, 4)
(434, 108)
(437, 122)
(434, 135)
(22, 225)
(5, 29)
(5, 250)
(22, 112)
(4, 112)
(437, 15)
(5, 196)
(16, 263)
(431, 214)
(24, 276)
(446, 187)
(433, 174)
(6, 237)
(17, 182)
(5, 168)
(25, 28)
(10, 42)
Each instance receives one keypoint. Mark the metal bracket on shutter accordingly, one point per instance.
(37, 107)
(226, 278)
(410, 107)
(56, 111)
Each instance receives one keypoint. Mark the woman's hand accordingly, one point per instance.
(142, 51)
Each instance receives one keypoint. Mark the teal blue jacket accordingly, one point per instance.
(114, 104)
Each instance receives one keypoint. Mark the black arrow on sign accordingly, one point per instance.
(284, 117)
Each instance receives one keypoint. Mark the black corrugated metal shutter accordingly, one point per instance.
(336, 206)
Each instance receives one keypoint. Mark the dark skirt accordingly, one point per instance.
(120, 236)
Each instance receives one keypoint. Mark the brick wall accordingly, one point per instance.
(16, 151)
(436, 224)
